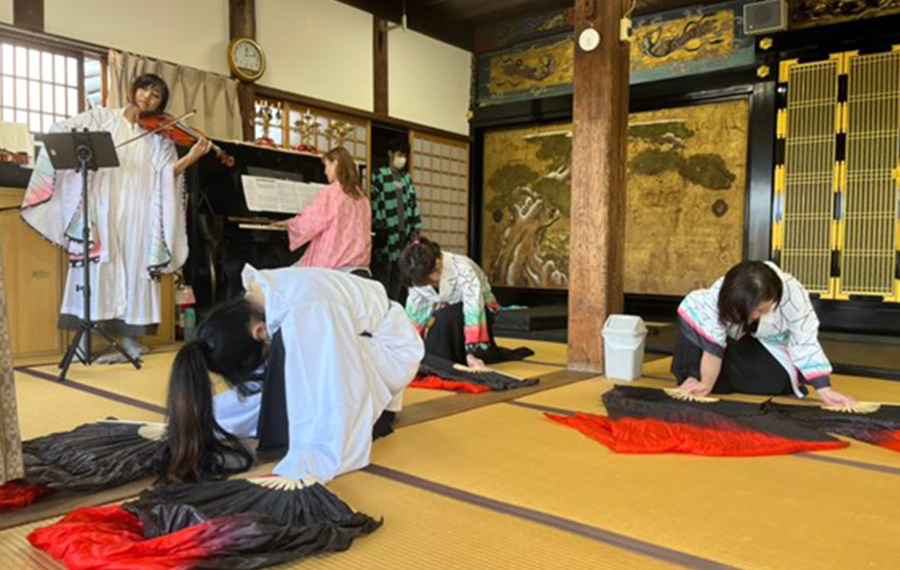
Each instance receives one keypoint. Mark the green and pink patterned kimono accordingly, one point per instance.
(462, 281)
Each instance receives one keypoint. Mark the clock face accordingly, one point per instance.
(246, 59)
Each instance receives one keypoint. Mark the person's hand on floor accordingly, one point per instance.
(831, 397)
(696, 387)
(474, 362)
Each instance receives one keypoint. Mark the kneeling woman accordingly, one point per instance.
(346, 354)
(755, 331)
(451, 304)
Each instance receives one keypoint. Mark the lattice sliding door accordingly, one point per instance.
(806, 182)
(868, 237)
(440, 171)
(837, 187)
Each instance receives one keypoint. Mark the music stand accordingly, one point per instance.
(83, 151)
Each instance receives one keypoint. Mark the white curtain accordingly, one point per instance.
(213, 96)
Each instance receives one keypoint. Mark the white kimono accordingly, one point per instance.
(337, 381)
(137, 219)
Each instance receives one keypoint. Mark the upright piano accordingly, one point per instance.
(223, 233)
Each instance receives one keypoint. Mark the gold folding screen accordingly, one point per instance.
(836, 222)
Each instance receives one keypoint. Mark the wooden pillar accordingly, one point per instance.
(380, 51)
(600, 115)
(242, 24)
(29, 14)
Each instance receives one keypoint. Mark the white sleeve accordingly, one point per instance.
(173, 197)
(803, 341)
(237, 414)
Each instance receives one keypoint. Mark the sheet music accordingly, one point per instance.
(282, 196)
(16, 138)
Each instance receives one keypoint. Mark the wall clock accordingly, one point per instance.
(246, 59)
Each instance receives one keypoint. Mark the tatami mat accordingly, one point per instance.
(658, 368)
(412, 396)
(422, 530)
(753, 513)
(524, 368)
(47, 407)
(545, 352)
(707, 513)
(148, 384)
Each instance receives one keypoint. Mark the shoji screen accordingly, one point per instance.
(440, 171)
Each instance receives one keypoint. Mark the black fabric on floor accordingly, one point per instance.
(442, 368)
(92, 457)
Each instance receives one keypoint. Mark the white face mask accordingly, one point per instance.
(399, 163)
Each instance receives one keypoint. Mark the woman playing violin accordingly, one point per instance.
(137, 217)
(149, 96)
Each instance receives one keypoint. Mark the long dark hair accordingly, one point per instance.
(198, 447)
(345, 171)
(149, 81)
(418, 261)
(746, 286)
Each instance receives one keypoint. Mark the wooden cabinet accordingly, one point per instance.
(166, 332)
(34, 272)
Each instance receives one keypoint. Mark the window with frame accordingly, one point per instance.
(41, 85)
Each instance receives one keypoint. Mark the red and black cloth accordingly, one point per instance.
(647, 420)
(90, 458)
(236, 524)
(881, 428)
(438, 373)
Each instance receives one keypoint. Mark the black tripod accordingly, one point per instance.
(84, 151)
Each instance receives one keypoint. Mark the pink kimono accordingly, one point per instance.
(338, 229)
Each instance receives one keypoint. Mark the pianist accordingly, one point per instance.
(337, 224)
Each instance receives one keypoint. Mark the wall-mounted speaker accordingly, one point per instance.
(765, 17)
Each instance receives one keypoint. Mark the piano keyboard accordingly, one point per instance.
(263, 227)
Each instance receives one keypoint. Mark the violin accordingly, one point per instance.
(179, 133)
(19, 158)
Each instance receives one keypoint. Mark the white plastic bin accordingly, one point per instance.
(623, 347)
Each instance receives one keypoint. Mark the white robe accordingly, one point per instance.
(337, 381)
(137, 218)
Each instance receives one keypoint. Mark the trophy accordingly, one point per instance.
(308, 129)
(265, 115)
(337, 132)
